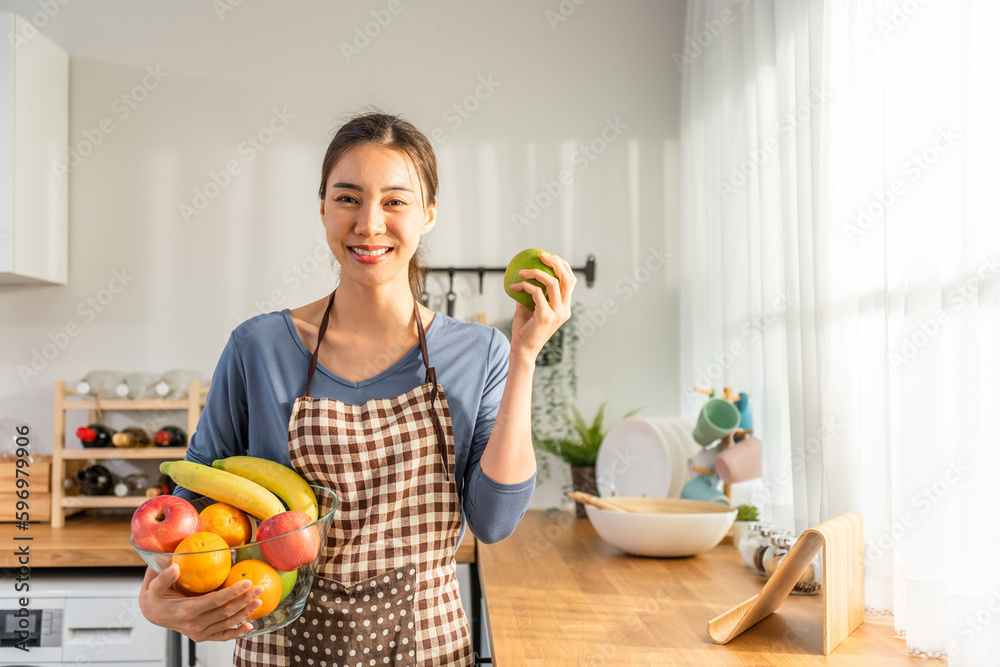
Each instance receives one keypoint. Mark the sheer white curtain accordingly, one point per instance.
(873, 383)
(751, 102)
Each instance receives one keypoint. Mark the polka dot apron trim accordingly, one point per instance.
(385, 592)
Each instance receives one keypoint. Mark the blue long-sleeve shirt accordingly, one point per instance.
(263, 370)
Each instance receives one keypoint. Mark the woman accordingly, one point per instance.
(419, 422)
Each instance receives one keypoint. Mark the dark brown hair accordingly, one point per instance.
(391, 132)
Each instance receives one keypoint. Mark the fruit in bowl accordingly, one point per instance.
(288, 579)
(160, 523)
(260, 574)
(223, 550)
(287, 541)
(228, 522)
(204, 562)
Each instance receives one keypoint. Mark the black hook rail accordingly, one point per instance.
(589, 271)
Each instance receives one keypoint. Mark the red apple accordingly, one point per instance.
(294, 550)
(160, 523)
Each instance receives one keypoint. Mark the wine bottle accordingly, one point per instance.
(132, 436)
(95, 435)
(166, 485)
(95, 480)
(134, 484)
(174, 384)
(137, 386)
(170, 436)
(100, 384)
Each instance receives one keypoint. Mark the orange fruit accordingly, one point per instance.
(228, 522)
(204, 560)
(263, 575)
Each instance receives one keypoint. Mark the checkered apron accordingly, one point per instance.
(385, 591)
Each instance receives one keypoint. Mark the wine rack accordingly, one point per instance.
(67, 460)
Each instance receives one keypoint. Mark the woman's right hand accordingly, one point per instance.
(215, 616)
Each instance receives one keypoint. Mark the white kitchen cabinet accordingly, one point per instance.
(34, 122)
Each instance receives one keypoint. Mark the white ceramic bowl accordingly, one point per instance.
(690, 528)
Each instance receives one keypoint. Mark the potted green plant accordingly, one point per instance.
(553, 389)
(578, 448)
(745, 515)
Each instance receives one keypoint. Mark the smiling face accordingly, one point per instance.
(374, 214)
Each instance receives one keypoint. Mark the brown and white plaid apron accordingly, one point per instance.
(385, 591)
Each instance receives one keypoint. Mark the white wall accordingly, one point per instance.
(557, 84)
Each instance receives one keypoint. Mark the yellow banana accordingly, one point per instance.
(276, 478)
(224, 487)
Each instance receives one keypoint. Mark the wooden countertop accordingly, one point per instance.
(557, 594)
(93, 540)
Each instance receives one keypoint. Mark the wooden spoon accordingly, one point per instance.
(671, 506)
(595, 501)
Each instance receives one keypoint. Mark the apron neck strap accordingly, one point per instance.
(429, 377)
(319, 341)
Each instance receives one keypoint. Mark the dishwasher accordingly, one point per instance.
(77, 616)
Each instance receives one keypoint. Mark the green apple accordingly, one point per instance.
(252, 552)
(526, 259)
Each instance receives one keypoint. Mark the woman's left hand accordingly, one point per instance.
(532, 328)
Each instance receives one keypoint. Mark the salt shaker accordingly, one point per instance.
(811, 580)
(775, 552)
(763, 545)
(751, 540)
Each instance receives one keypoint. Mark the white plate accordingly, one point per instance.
(643, 456)
(677, 432)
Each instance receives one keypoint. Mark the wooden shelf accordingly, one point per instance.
(66, 461)
(103, 502)
(161, 453)
(121, 405)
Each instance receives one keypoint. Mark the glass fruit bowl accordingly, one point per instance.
(275, 551)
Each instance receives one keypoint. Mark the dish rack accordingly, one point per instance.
(67, 460)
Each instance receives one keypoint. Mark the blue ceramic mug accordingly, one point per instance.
(746, 414)
(704, 488)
